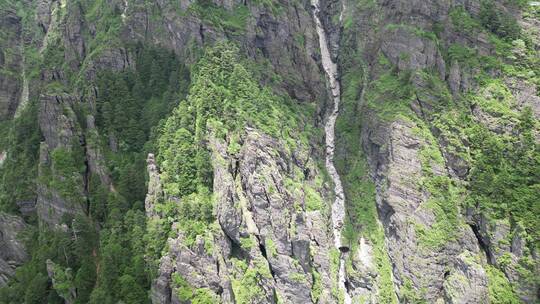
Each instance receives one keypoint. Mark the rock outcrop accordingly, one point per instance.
(57, 122)
(401, 166)
(12, 250)
(263, 222)
(11, 63)
(395, 152)
(264, 36)
(155, 192)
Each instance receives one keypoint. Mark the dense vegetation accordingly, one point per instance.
(223, 100)
(21, 141)
(117, 248)
(105, 262)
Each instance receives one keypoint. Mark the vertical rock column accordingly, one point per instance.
(338, 207)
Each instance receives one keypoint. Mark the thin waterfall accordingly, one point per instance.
(338, 207)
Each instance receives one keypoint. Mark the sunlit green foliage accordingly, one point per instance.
(390, 94)
(248, 280)
(185, 292)
(500, 290)
(224, 99)
(505, 179)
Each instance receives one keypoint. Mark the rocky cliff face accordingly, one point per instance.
(264, 229)
(405, 150)
(414, 110)
(263, 37)
(13, 253)
(449, 273)
(11, 62)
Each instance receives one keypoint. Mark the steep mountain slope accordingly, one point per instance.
(269, 151)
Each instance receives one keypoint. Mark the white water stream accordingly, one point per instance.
(25, 94)
(3, 156)
(338, 207)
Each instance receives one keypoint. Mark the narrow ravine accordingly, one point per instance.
(338, 207)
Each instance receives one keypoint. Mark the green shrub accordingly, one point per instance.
(247, 282)
(498, 21)
(500, 290)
